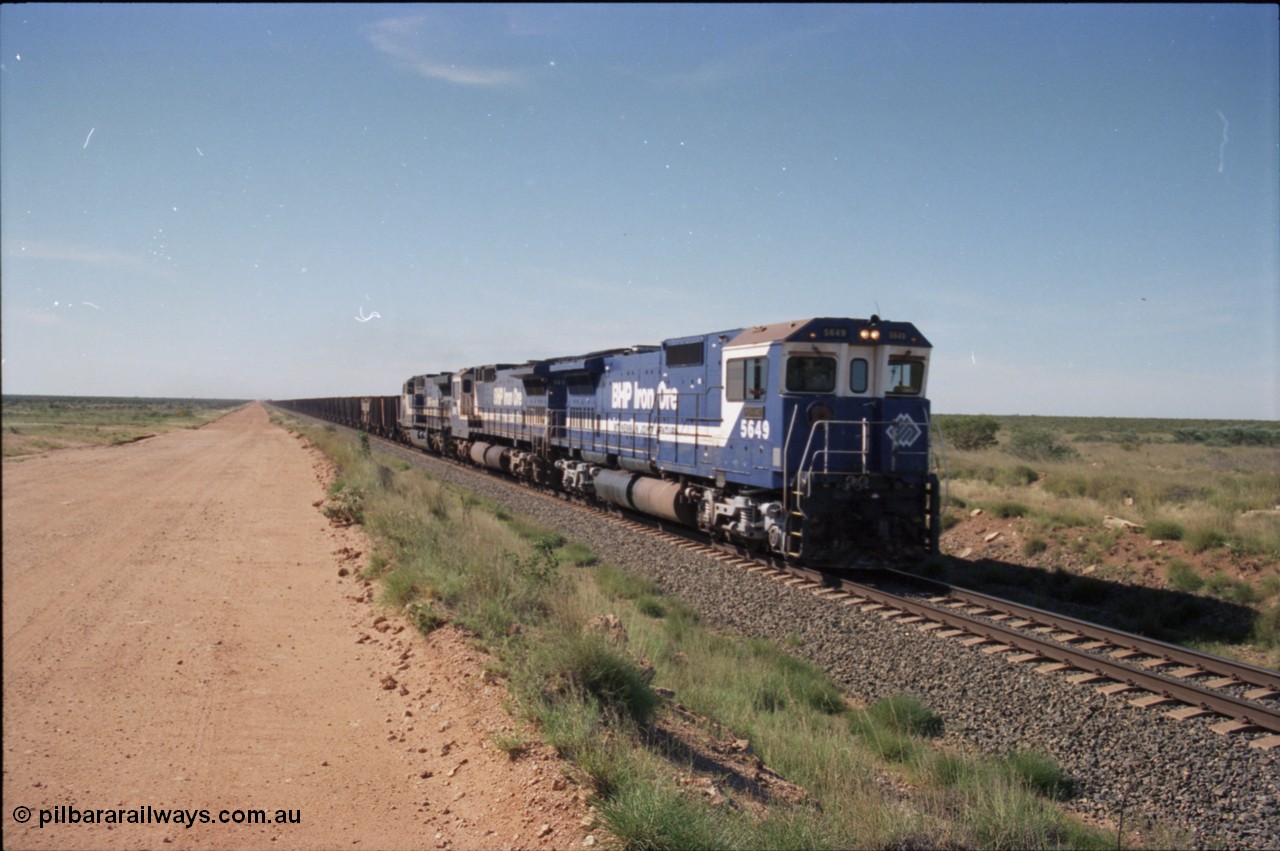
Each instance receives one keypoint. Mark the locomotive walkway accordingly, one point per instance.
(177, 637)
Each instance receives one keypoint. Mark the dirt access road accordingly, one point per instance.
(177, 637)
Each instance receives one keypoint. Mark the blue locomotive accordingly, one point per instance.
(806, 439)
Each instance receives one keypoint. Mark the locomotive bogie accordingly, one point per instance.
(579, 477)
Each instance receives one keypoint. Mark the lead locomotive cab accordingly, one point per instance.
(841, 406)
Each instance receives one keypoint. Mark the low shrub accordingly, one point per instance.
(650, 606)
(400, 585)
(1018, 474)
(886, 727)
(1039, 444)
(1183, 577)
(1218, 583)
(1009, 510)
(1041, 773)
(1165, 530)
(513, 745)
(905, 713)
(769, 695)
(657, 816)
(894, 747)
(539, 568)
(1034, 546)
(424, 617)
(1266, 628)
(578, 730)
(811, 687)
(1205, 539)
(548, 541)
(949, 769)
(969, 433)
(586, 665)
(1254, 435)
(618, 584)
(345, 506)
(1069, 519)
(576, 555)
(1243, 593)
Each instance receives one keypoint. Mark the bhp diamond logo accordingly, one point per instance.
(904, 431)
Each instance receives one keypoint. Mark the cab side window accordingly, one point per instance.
(746, 379)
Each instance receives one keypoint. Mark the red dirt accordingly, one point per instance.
(1128, 556)
(177, 635)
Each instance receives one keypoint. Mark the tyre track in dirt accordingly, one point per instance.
(176, 635)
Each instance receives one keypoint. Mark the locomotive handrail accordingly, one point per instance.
(866, 439)
(826, 452)
(786, 445)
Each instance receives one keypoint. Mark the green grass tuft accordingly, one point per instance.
(658, 816)
(1042, 774)
(424, 617)
(1183, 577)
(650, 606)
(1201, 540)
(584, 664)
(1165, 530)
(618, 584)
(1009, 510)
(905, 713)
(1034, 546)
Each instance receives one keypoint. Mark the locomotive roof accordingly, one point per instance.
(824, 328)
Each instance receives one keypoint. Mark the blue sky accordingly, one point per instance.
(1078, 205)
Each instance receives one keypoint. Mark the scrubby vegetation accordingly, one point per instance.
(1200, 498)
(970, 433)
(35, 424)
(590, 652)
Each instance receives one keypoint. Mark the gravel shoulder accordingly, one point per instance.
(177, 635)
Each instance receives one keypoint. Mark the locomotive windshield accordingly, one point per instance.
(811, 375)
(906, 377)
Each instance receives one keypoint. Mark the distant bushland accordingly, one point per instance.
(35, 424)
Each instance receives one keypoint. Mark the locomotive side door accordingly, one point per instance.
(749, 413)
(463, 404)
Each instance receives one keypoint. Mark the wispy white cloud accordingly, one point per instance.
(38, 250)
(35, 317)
(704, 75)
(403, 40)
(64, 252)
